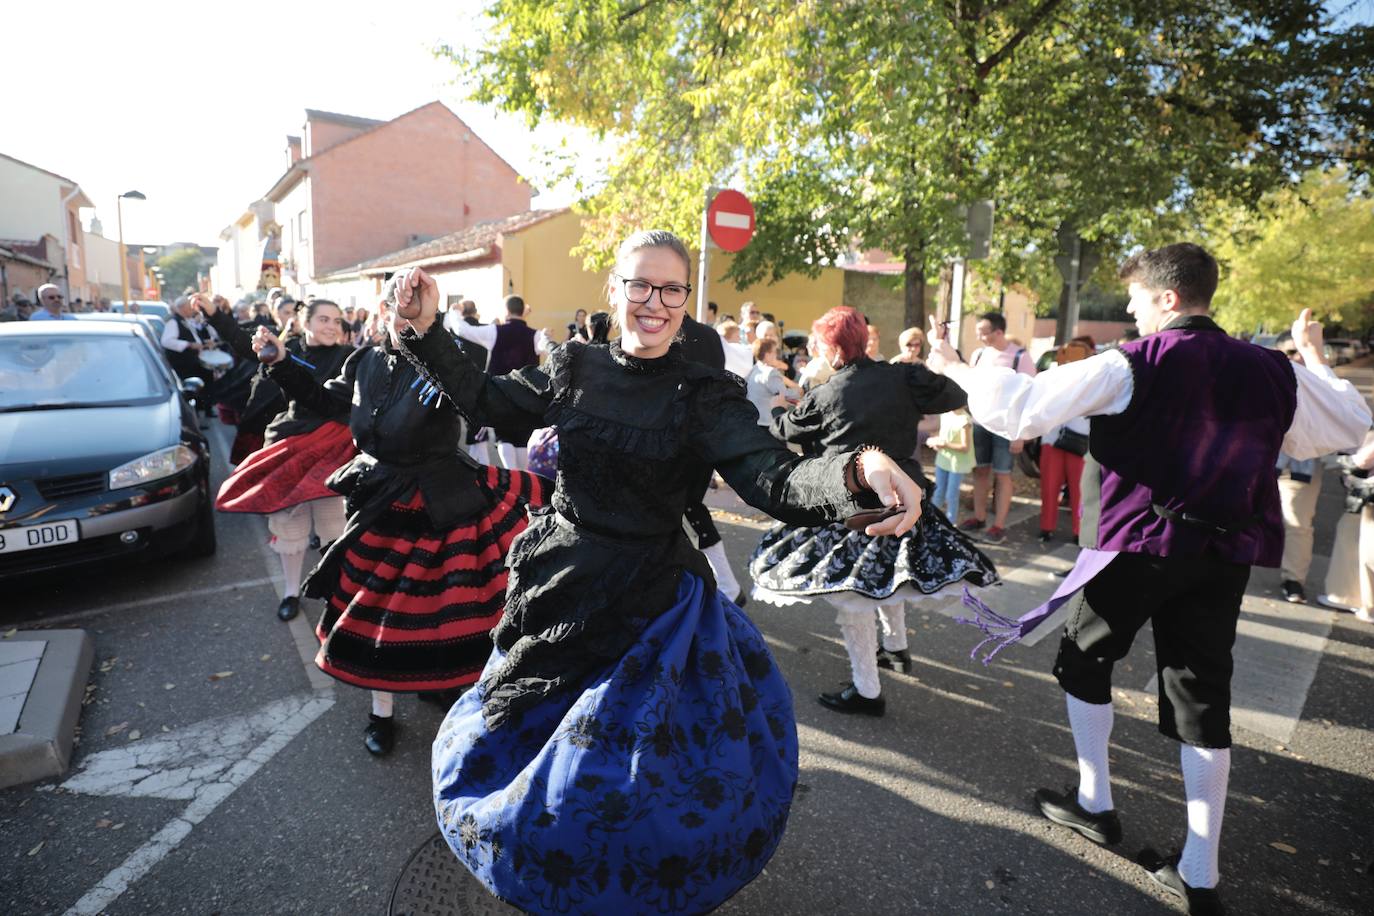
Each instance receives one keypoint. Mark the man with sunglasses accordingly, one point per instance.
(50, 305)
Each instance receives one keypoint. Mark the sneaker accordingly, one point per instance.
(1046, 537)
(971, 524)
(1328, 602)
(995, 535)
(1202, 901)
(1064, 809)
(1292, 591)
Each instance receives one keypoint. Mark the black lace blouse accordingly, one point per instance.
(634, 434)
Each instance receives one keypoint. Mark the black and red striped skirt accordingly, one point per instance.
(288, 472)
(414, 605)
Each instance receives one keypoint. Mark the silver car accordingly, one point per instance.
(101, 456)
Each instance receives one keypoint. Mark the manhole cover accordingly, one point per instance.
(435, 883)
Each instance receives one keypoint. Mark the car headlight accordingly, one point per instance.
(154, 466)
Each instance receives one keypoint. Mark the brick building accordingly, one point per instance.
(355, 188)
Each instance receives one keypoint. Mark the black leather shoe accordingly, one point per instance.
(1064, 809)
(1202, 901)
(290, 606)
(1293, 592)
(380, 735)
(742, 600)
(899, 661)
(849, 700)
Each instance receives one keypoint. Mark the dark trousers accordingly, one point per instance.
(1193, 604)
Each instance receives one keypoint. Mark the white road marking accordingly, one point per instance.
(205, 762)
(157, 599)
(179, 764)
(1279, 647)
(209, 791)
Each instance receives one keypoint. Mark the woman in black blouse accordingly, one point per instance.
(631, 744)
(417, 580)
(866, 402)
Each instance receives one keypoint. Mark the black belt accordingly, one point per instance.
(1193, 521)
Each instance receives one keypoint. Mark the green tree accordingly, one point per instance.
(871, 122)
(179, 270)
(1307, 246)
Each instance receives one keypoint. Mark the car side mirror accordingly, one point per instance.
(193, 385)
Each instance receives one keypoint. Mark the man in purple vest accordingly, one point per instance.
(512, 345)
(1186, 426)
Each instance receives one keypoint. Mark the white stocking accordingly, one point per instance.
(1205, 774)
(720, 565)
(291, 566)
(382, 704)
(861, 642)
(892, 617)
(1092, 729)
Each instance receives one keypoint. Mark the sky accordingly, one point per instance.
(191, 103)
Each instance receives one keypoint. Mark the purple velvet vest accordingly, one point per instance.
(1188, 468)
(513, 349)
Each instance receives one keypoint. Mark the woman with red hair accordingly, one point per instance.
(866, 404)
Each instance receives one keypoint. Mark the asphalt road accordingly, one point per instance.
(216, 774)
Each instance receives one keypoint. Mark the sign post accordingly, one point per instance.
(728, 221)
(1076, 263)
(978, 225)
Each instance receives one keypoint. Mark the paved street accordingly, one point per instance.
(217, 772)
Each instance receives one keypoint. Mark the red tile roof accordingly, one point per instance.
(466, 244)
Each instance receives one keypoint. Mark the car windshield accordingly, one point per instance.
(58, 372)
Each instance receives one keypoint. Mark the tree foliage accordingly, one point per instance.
(179, 270)
(870, 122)
(1307, 246)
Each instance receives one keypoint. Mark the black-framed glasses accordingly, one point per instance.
(672, 295)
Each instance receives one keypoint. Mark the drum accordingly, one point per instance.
(216, 361)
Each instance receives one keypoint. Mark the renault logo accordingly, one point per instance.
(7, 499)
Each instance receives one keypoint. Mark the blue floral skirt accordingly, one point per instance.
(663, 787)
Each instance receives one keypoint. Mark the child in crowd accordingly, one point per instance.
(953, 459)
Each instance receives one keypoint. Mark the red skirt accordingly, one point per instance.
(289, 472)
(414, 605)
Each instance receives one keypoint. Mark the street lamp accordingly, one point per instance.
(123, 252)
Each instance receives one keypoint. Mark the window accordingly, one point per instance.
(303, 225)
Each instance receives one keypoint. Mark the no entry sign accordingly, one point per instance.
(730, 220)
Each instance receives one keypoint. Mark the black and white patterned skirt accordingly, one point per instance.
(932, 560)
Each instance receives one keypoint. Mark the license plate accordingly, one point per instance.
(32, 537)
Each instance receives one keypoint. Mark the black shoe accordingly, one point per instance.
(1104, 828)
(313, 543)
(742, 600)
(290, 606)
(1046, 537)
(380, 735)
(849, 700)
(899, 661)
(1202, 901)
(1292, 592)
(444, 699)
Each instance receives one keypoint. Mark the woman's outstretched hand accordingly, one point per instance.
(894, 488)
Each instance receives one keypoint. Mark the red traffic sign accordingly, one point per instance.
(730, 220)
